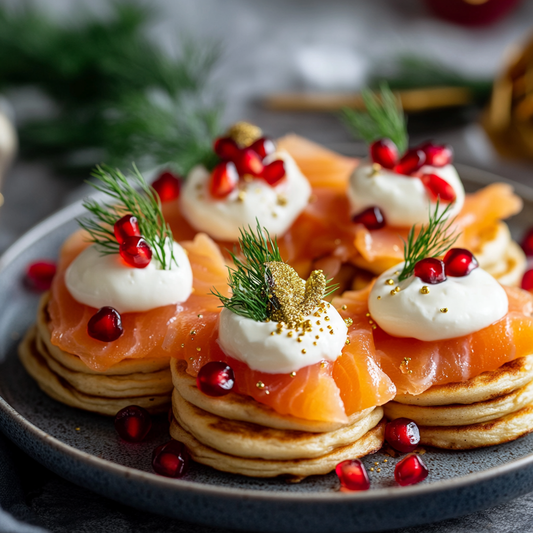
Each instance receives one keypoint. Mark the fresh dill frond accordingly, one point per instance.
(129, 196)
(433, 240)
(383, 118)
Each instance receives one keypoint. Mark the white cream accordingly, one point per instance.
(253, 343)
(453, 308)
(100, 280)
(276, 208)
(403, 200)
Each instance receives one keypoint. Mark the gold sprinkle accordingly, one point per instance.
(260, 385)
(314, 343)
(191, 358)
(193, 332)
(348, 321)
(379, 297)
(368, 314)
(389, 282)
(304, 350)
(378, 470)
(293, 374)
(326, 319)
(323, 364)
(347, 341)
(344, 307)
(372, 469)
(374, 326)
(329, 327)
(393, 292)
(299, 339)
(267, 320)
(77, 429)
(409, 371)
(370, 321)
(376, 463)
(317, 336)
(397, 289)
(424, 290)
(183, 345)
(272, 333)
(274, 214)
(267, 392)
(321, 329)
(318, 322)
(384, 460)
(198, 349)
(289, 334)
(376, 167)
(331, 332)
(200, 316)
(397, 273)
(282, 200)
(443, 309)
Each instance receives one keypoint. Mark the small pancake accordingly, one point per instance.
(371, 442)
(462, 415)
(509, 377)
(499, 431)
(246, 409)
(511, 267)
(59, 389)
(245, 439)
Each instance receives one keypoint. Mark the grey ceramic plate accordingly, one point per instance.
(85, 449)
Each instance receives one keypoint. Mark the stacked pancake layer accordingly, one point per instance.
(66, 378)
(492, 408)
(236, 434)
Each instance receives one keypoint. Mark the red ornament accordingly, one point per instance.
(527, 280)
(133, 423)
(527, 243)
(105, 325)
(352, 475)
(224, 179)
(126, 227)
(438, 189)
(167, 186)
(39, 275)
(249, 162)
(274, 172)
(430, 270)
(437, 155)
(459, 262)
(402, 434)
(384, 152)
(170, 459)
(215, 379)
(263, 147)
(136, 252)
(410, 162)
(371, 218)
(226, 148)
(410, 470)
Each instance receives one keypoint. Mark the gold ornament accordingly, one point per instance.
(244, 133)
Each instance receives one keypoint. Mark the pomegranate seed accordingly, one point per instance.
(410, 470)
(105, 325)
(430, 270)
(126, 227)
(249, 162)
(274, 172)
(437, 155)
(527, 280)
(226, 148)
(438, 188)
(352, 475)
(170, 459)
(167, 186)
(384, 152)
(224, 179)
(263, 147)
(402, 434)
(215, 379)
(136, 252)
(39, 275)
(527, 243)
(133, 423)
(459, 262)
(410, 162)
(371, 218)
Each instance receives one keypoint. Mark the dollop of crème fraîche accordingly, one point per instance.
(402, 199)
(106, 280)
(430, 312)
(276, 208)
(273, 348)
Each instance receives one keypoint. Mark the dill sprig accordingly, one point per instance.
(432, 240)
(133, 197)
(383, 118)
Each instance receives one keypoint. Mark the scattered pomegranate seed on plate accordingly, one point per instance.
(39, 275)
(133, 423)
(136, 252)
(402, 434)
(167, 186)
(410, 470)
(384, 152)
(105, 325)
(459, 262)
(215, 379)
(126, 227)
(352, 475)
(371, 218)
(170, 459)
(430, 270)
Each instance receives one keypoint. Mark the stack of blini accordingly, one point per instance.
(236, 434)
(492, 408)
(66, 378)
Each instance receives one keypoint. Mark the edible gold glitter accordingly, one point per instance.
(282, 200)
(198, 349)
(378, 470)
(304, 350)
(348, 321)
(376, 167)
(326, 318)
(318, 322)
(244, 133)
(389, 282)
(323, 364)
(397, 289)
(260, 385)
(183, 345)
(393, 292)
(272, 333)
(321, 329)
(376, 463)
(374, 326)
(424, 290)
(191, 358)
(317, 337)
(372, 469)
(193, 332)
(331, 332)
(368, 314)
(299, 339)
(200, 316)
(370, 322)
(347, 341)
(241, 196)
(443, 309)
(344, 307)
(267, 392)
(379, 297)
(293, 374)
(289, 334)
(384, 460)
(329, 327)
(314, 343)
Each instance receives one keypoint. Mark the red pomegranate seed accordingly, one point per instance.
(410, 162)
(167, 186)
(133, 423)
(215, 379)
(371, 218)
(437, 155)
(438, 188)
(136, 252)
(105, 325)
(39, 275)
(527, 243)
(402, 434)
(226, 148)
(430, 270)
(224, 179)
(352, 475)
(274, 172)
(263, 147)
(384, 152)
(459, 262)
(126, 227)
(170, 459)
(410, 470)
(527, 280)
(249, 162)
